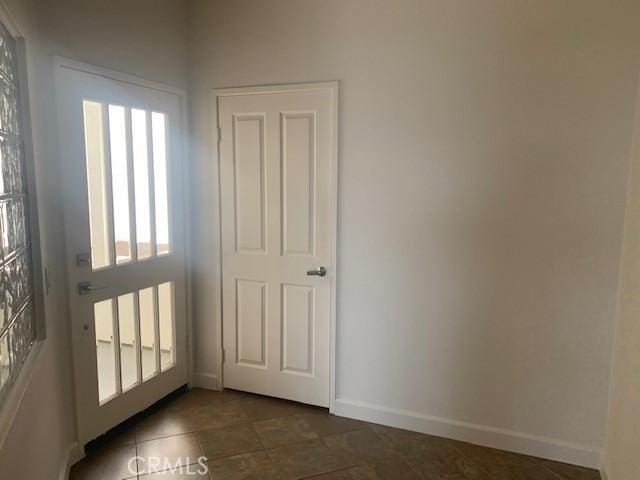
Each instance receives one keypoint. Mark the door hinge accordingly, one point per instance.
(224, 356)
(219, 135)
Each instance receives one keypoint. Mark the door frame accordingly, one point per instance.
(334, 87)
(60, 63)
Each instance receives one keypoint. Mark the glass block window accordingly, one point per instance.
(17, 322)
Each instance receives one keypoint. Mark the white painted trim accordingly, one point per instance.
(503, 439)
(64, 62)
(333, 288)
(207, 381)
(269, 89)
(74, 455)
(334, 87)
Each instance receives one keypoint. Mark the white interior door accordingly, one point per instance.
(277, 170)
(120, 146)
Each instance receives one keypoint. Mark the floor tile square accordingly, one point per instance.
(249, 466)
(168, 452)
(339, 475)
(304, 459)
(445, 463)
(163, 423)
(280, 431)
(390, 470)
(228, 441)
(189, 472)
(114, 462)
(217, 415)
(359, 447)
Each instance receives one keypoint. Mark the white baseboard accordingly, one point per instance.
(208, 381)
(74, 454)
(537, 446)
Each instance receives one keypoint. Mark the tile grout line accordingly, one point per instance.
(320, 439)
(318, 475)
(411, 467)
(464, 455)
(202, 453)
(135, 449)
(481, 467)
(275, 466)
(560, 477)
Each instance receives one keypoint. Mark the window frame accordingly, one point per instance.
(39, 274)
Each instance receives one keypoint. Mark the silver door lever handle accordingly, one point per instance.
(84, 288)
(320, 272)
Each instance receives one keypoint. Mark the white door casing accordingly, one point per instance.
(278, 186)
(129, 332)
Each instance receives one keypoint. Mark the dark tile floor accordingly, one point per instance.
(244, 436)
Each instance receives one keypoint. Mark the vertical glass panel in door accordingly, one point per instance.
(166, 319)
(101, 246)
(128, 345)
(106, 361)
(141, 182)
(120, 183)
(148, 332)
(158, 124)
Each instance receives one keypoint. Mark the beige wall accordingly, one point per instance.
(621, 458)
(145, 38)
(482, 188)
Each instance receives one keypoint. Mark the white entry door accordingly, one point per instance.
(120, 148)
(278, 161)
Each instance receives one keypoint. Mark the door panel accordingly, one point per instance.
(298, 131)
(298, 311)
(251, 325)
(276, 165)
(249, 170)
(126, 269)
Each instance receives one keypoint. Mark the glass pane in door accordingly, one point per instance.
(158, 126)
(106, 361)
(120, 183)
(127, 184)
(134, 338)
(166, 319)
(141, 182)
(148, 332)
(101, 247)
(127, 333)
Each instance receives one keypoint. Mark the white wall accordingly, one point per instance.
(623, 434)
(482, 189)
(145, 38)
(43, 427)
